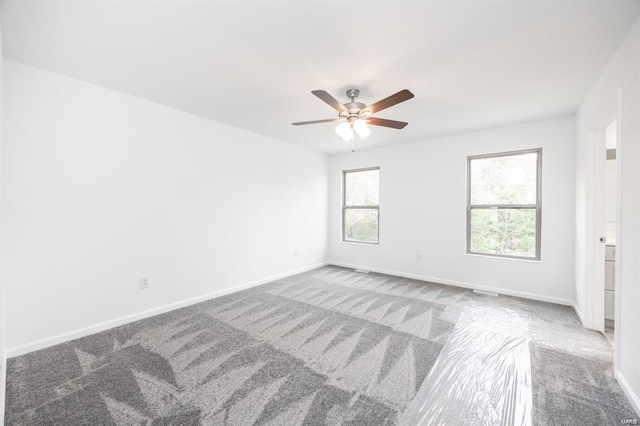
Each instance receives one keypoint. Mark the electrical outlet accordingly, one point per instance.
(144, 283)
(419, 257)
(296, 253)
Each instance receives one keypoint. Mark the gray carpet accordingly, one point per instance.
(330, 346)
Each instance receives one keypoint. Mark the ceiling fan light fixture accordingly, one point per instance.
(356, 116)
(361, 128)
(345, 131)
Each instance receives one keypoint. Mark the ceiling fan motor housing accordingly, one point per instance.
(353, 108)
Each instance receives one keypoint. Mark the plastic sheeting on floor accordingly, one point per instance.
(482, 376)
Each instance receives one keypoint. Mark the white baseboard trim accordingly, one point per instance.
(631, 395)
(82, 332)
(473, 286)
(3, 387)
(579, 314)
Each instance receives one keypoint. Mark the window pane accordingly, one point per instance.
(504, 231)
(504, 180)
(362, 188)
(361, 225)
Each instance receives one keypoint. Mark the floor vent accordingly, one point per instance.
(362, 271)
(486, 293)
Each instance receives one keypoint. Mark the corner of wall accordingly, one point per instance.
(578, 313)
(628, 391)
(3, 357)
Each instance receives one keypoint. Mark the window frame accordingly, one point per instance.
(537, 206)
(345, 207)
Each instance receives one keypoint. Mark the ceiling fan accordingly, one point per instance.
(356, 115)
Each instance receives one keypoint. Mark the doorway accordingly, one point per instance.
(610, 227)
(604, 156)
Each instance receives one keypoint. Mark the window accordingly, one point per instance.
(361, 205)
(504, 204)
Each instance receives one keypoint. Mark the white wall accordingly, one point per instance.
(3, 356)
(622, 75)
(103, 188)
(423, 211)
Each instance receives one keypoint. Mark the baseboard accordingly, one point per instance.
(579, 314)
(82, 332)
(631, 395)
(473, 286)
(3, 386)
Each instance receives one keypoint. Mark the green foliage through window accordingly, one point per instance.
(504, 208)
(361, 205)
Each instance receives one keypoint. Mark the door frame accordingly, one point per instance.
(595, 219)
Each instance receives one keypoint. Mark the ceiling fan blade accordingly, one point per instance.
(401, 96)
(329, 100)
(327, 120)
(386, 123)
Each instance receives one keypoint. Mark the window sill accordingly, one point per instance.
(361, 244)
(488, 256)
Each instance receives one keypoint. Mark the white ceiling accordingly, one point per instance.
(252, 64)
